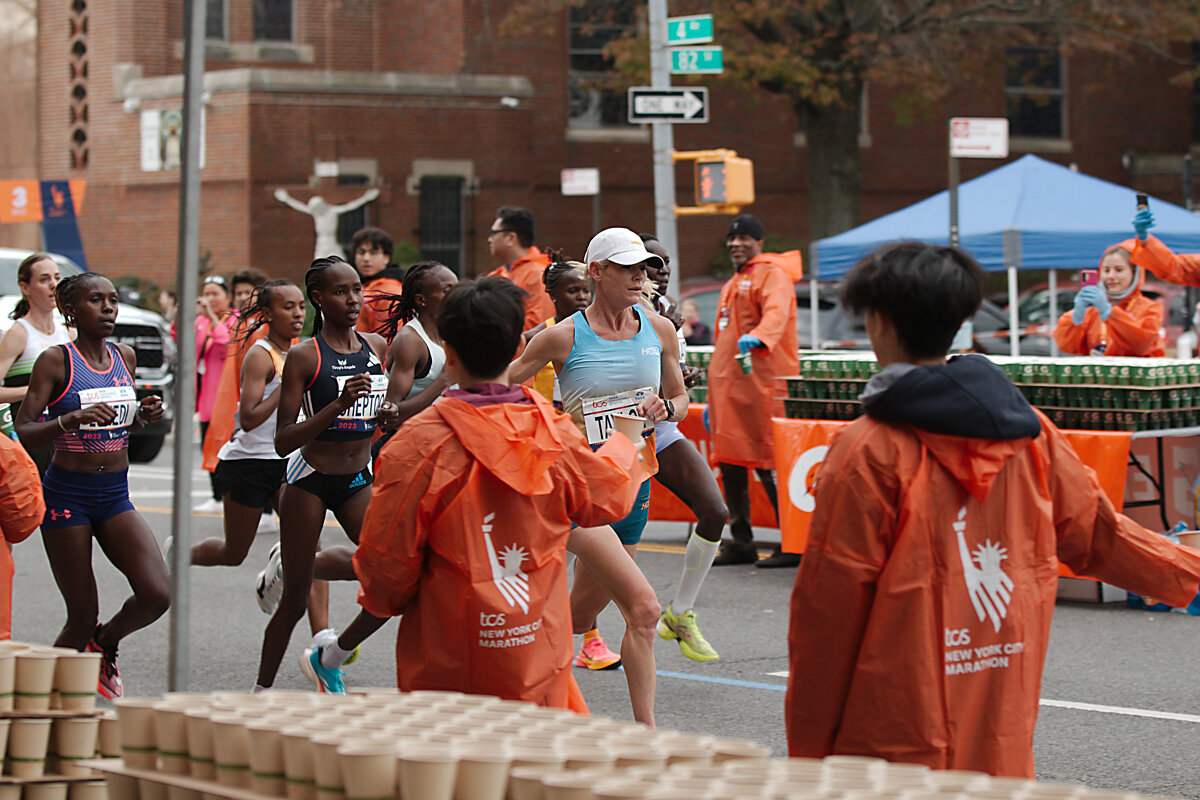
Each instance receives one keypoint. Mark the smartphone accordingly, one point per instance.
(1142, 202)
(1089, 277)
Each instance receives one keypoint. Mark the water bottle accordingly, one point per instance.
(1186, 344)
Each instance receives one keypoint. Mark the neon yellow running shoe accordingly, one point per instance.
(683, 627)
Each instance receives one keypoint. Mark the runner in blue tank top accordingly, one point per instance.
(93, 406)
(338, 377)
(614, 358)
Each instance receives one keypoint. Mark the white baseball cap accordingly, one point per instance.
(620, 246)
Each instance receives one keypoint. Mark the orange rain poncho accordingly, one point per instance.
(760, 300)
(1134, 328)
(921, 612)
(1182, 269)
(21, 512)
(526, 272)
(466, 538)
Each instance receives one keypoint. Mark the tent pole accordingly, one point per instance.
(814, 295)
(1052, 318)
(1014, 332)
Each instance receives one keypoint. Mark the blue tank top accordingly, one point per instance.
(333, 368)
(87, 387)
(599, 368)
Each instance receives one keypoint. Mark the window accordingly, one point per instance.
(440, 219)
(1034, 97)
(350, 222)
(273, 20)
(593, 24)
(214, 19)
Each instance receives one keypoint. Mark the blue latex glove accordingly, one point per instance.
(1143, 221)
(746, 343)
(1092, 296)
(704, 419)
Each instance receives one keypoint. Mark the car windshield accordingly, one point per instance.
(8, 271)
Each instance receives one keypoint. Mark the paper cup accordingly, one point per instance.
(28, 740)
(327, 767)
(482, 773)
(745, 362)
(75, 678)
(170, 728)
(121, 787)
(199, 743)
(152, 790)
(8, 663)
(629, 425)
(734, 749)
(90, 790)
(75, 741)
(108, 737)
(179, 793)
(298, 759)
(568, 786)
(139, 744)
(33, 679)
(621, 789)
(51, 790)
(4, 725)
(266, 759)
(426, 772)
(368, 771)
(10, 791)
(231, 750)
(525, 783)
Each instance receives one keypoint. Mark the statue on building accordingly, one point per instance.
(325, 217)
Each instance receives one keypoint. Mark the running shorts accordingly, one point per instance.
(83, 498)
(665, 435)
(331, 490)
(250, 482)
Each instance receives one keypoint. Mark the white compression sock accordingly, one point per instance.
(697, 559)
(332, 656)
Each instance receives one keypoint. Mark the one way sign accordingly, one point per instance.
(683, 104)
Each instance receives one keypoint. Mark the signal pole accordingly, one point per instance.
(663, 144)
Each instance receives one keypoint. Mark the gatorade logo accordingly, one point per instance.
(803, 477)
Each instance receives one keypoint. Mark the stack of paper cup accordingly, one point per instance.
(28, 739)
(33, 680)
(75, 678)
(75, 741)
(139, 743)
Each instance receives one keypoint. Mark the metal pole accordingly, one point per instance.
(814, 296)
(953, 201)
(663, 144)
(185, 377)
(1052, 318)
(1012, 260)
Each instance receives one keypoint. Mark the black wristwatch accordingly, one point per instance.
(670, 408)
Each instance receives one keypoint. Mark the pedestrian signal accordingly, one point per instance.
(724, 182)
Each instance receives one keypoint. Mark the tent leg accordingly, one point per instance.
(1052, 319)
(1014, 331)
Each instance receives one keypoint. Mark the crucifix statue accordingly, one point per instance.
(325, 217)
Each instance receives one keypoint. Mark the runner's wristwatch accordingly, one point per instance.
(670, 410)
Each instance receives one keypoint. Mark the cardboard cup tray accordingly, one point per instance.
(116, 766)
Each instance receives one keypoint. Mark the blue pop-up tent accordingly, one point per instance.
(1029, 214)
(1054, 218)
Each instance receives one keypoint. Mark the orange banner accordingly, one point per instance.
(801, 444)
(20, 201)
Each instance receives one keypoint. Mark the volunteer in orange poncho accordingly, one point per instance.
(1113, 318)
(468, 525)
(756, 314)
(381, 279)
(21, 511)
(511, 240)
(1182, 269)
(921, 614)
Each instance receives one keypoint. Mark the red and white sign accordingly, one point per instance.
(578, 182)
(979, 137)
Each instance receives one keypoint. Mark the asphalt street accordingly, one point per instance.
(1121, 692)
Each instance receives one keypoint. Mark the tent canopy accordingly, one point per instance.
(1065, 220)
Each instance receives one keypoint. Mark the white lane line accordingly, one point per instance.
(783, 674)
(138, 494)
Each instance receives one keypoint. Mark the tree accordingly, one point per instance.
(821, 53)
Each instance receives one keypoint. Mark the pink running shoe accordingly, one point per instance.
(595, 655)
(109, 684)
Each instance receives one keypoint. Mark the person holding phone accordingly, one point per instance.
(1112, 317)
(1182, 269)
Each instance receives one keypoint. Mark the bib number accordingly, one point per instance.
(122, 399)
(598, 411)
(365, 408)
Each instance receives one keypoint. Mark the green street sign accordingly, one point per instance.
(697, 29)
(697, 60)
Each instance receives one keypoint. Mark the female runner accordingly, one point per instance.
(339, 379)
(37, 328)
(567, 284)
(92, 407)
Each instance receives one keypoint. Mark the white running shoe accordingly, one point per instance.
(268, 587)
(268, 523)
(330, 636)
(209, 506)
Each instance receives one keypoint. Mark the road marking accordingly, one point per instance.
(1129, 712)
(725, 681)
(330, 521)
(140, 493)
(660, 548)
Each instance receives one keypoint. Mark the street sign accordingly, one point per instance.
(697, 60)
(979, 137)
(697, 29)
(580, 182)
(672, 104)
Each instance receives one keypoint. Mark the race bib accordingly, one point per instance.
(598, 411)
(365, 408)
(122, 399)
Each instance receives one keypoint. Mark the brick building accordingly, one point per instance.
(449, 118)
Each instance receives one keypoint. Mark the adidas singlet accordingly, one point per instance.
(35, 343)
(333, 369)
(87, 387)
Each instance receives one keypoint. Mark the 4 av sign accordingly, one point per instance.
(679, 104)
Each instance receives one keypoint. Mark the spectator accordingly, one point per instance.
(695, 332)
(1113, 317)
(381, 279)
(510, 239)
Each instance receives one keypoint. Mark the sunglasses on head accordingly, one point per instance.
(217, 279)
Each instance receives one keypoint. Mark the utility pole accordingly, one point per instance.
(663, 142)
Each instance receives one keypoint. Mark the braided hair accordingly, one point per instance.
(314, 279)
(403, 307)
(257, 307)
(68, 290)
(561, 269)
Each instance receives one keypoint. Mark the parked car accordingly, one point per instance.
(146, 332)
(840, 330)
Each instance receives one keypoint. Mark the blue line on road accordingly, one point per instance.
(726, 681)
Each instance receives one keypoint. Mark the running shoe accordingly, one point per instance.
(595, 655)
(109, 684)
(209, 506)
(268, 587)
(683, 627)
(326, 679)
(330, 636)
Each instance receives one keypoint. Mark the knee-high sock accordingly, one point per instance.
(697, 558)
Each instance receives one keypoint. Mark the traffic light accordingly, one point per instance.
(724, 182)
